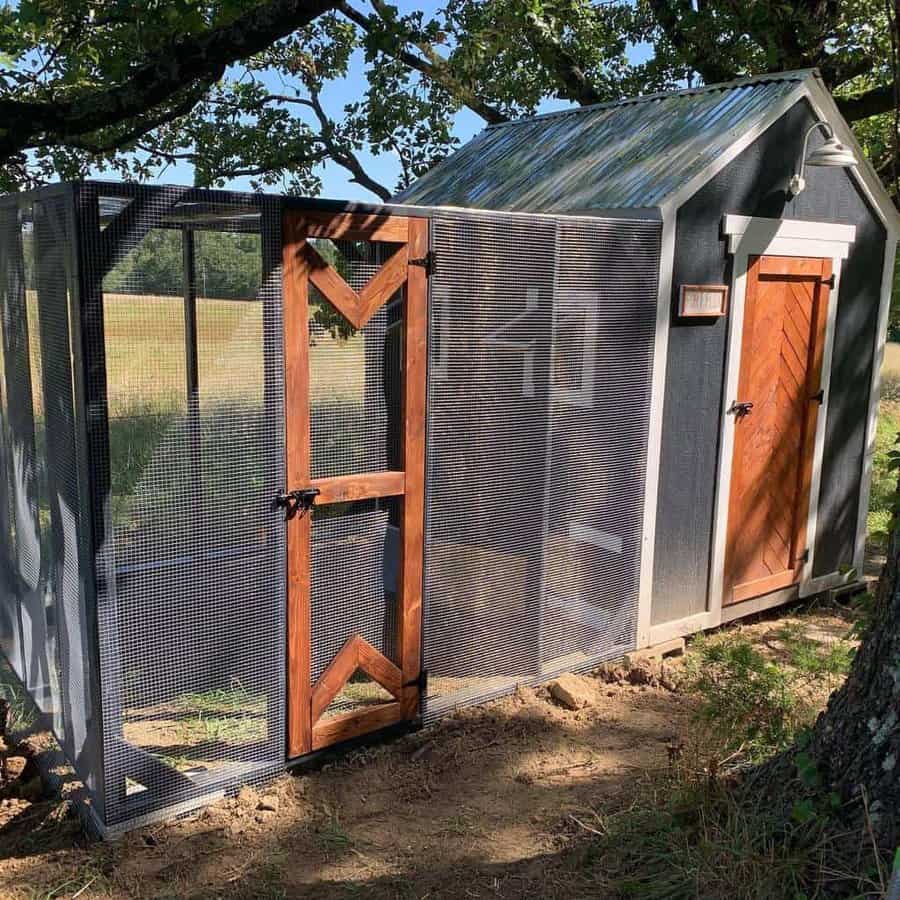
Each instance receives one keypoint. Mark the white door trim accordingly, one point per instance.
(771, 237)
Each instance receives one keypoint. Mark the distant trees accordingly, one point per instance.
(228, 265)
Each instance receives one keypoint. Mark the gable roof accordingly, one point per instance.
(643, 152)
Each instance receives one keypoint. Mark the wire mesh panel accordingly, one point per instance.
(191, 391)
(540, 362)
(47, 620)
(354, 373)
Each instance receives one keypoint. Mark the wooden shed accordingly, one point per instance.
(773, 306)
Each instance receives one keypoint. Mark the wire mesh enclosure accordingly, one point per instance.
(541, 349)
(145, 433)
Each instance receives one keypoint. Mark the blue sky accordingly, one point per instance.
(384, 168)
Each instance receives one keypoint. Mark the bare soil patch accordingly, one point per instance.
(493, 802)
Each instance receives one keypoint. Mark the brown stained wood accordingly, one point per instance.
(383, 285)
(338, 672)
(353, 724)
(302, 266)
(356, 654)
(415, 336)
(794, 266)
(351, 226)
(297, 453)
(333, 287)
(380, 668)
(764, 585)
(786, 309)
(367, 486)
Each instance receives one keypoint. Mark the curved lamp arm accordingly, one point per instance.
(798, 179)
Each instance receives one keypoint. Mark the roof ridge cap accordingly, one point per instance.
(797, 75)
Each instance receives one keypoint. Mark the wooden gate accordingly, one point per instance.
(310, 279)
(779, 396)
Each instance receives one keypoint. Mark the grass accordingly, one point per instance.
(22, 712)
(748, 703)
(691, 833)
(811, 657)
(691, 837)
(884, 480)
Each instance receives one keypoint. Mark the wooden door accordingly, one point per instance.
(327, 330)
(785, 312)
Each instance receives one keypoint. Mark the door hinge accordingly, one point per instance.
(428, 262)
(421, 682)
(829, 282)
(819, 397)
(804, 556)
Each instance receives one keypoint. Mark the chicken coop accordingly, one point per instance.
(278, 474)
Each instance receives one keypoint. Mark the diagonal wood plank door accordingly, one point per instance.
(785, 312)
(355, 434)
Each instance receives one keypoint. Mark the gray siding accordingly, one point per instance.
(754, 185)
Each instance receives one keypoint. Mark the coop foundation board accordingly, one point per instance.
(288, 473)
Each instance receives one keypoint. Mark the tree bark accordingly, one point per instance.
(856, 741)
(855, 744)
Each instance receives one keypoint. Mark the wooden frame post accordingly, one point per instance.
(297, 458)
(309, 728)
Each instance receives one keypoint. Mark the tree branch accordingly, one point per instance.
(575, 84)
(343, 155)
(433, 67)
(669, 16)
(139, 129)
(870, 103)
(151, 83)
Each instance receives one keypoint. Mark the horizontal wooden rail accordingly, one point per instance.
(352, 226)
(353, 724)
(368, 486)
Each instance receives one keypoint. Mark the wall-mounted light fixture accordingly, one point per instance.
(831, 153)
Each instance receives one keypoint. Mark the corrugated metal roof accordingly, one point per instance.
(629, 154)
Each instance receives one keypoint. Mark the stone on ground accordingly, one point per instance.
(572, 691)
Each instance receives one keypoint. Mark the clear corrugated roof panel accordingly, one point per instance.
(632, 154)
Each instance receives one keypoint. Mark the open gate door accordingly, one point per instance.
(355, 319)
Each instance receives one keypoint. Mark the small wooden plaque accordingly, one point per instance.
(702, 301)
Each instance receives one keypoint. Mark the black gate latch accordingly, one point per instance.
(740, 408)
(428, 262)
(297, 501)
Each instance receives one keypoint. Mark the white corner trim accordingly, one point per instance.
(767, 237)
(865, 485)
(654, 438)
(824, 583)
(677, 628)
(788, 237)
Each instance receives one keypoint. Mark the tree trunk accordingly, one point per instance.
(856, 741)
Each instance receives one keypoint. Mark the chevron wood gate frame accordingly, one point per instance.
(400, 275)
(779, 397)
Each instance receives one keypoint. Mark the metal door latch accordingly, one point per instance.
(820, 397)
(829, 282)
(294, 502)
(428, 262)
(740, 408)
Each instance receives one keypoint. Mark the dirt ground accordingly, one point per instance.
(495, 801)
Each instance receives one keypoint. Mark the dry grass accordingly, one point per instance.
(518, 798)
